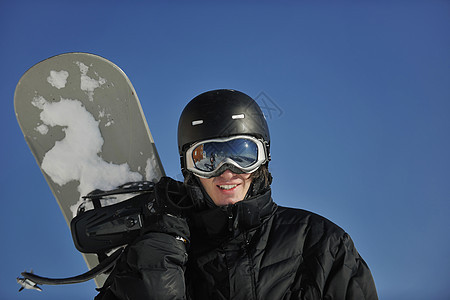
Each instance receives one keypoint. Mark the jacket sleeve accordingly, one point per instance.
(348, 276)
(151, 268)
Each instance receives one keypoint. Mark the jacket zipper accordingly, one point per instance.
(251, 264)
(230, 218)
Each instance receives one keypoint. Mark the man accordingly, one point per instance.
(234, 242)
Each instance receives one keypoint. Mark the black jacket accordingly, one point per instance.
(251, 250)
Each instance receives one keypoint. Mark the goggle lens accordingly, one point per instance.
(208, 156)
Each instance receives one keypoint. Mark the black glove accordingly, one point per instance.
(167, 211)
(152, 266)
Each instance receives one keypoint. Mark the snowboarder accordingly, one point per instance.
(235, 242)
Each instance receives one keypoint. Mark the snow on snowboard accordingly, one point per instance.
(83, 122)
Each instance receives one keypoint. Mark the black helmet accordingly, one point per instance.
(219, 114)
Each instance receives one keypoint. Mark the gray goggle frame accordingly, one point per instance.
(226, 163)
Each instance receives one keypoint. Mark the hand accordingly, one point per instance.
(167, 211)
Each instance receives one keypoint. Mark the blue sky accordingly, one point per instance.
(358, 101)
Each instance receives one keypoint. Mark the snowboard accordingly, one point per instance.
(84, 124)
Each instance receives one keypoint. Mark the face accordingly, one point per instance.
(227, 188)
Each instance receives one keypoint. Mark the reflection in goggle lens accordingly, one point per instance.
(208, 156)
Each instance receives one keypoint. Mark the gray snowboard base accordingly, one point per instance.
(83, 122)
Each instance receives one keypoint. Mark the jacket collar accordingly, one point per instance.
(230, 220)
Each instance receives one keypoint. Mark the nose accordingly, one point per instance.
(227, 174)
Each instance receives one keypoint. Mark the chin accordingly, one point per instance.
(228, 201)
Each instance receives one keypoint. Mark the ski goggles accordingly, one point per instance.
(240, 154)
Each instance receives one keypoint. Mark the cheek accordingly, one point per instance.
(247, 181)
(206, 182)
(247, 178)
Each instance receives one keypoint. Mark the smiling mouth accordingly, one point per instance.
(227, 187)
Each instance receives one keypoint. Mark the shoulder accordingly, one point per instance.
(301, 217)
(312, 230)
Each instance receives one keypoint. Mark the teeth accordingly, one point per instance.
(227, 186)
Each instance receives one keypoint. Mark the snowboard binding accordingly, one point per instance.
(105, 227)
